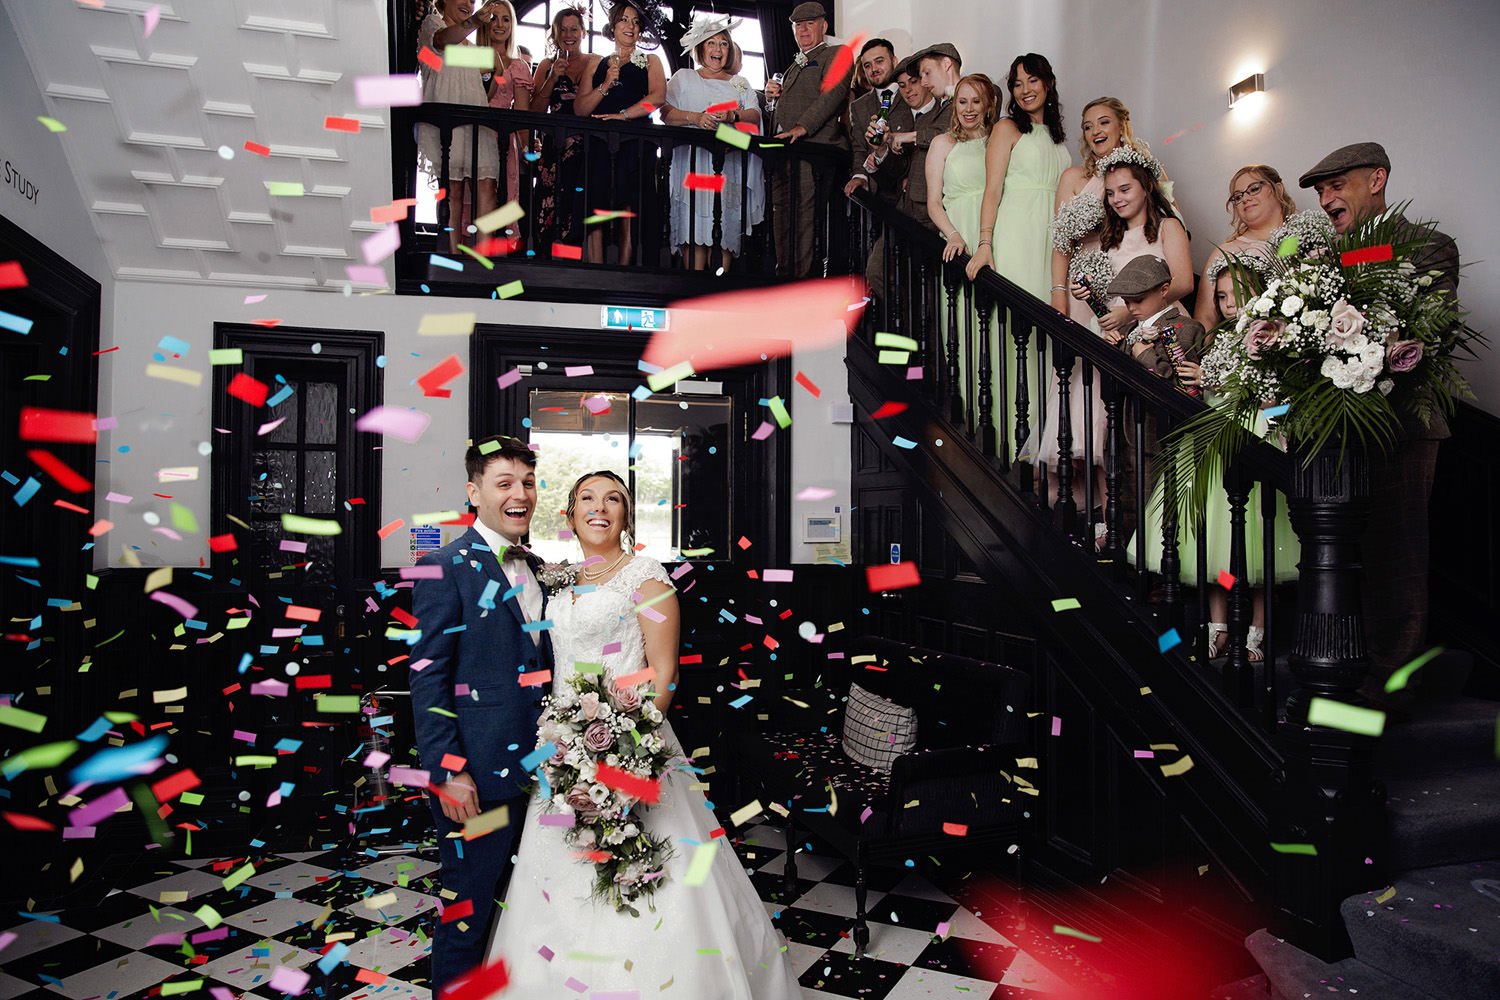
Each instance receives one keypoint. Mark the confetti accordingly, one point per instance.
(704, 182)
(744, 814)
(333, 123)
(644, 789)
(152, 17)
(843, 63)
(506, 215)
(563, 251)
(52, 124)
(430, 59)
(64, 426)
(447, 324)
(378, 246)
(431, 381)
(59, 470)
(170, 373)
(731, 136)
(1066, 604)
(702, 863)
(892, 577)
(1398, 679)
(901, 442)
(399, 91)
(250, 390)
(1308, 849)
(284, 189)
(510, 290)
(1168, 640)
(11, 274)
(1367, 255)
(1349, 718)
(310, 525)
(1063, 931)
(226, 356)
(1177, 767)
(888, 410)
(18, 324)
(469, 56)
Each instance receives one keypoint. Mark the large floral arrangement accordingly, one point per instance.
(1345, 332)
(606, 747)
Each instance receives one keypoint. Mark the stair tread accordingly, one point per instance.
(1441, 922)
(1293, 972)
(1445, 817)
(1441, 732)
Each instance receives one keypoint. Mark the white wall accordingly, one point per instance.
(1421, 78)
(162, 423)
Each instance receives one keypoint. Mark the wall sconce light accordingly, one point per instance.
(1247, 88)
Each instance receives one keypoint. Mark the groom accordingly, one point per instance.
(474, 720)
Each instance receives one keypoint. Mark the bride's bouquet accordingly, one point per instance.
(1346, 332)
(609, 757)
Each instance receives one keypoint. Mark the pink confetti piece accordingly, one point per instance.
(251, 300)
(942, 929)
(101, 808)
(378, 246)
(421, 664)
(682, 570)
(285, 633)
(1056, 726)
(866, 814)
(653, 614)
(575, 985)
(170, 938)
(395, 421)
(557, 819)
(914, 374)
(265, 429)
(398, 91)
(365, 274)
(106, 423)
(288, 980)
(421, 572)
(78, 833)
(152, 17)
(764, 431)
(575, 371)
(815, 493)
(754, 620)
(546, 953)
(113, 497)
(243, 736)
(377, 758)
(777, 575)
(613, 647)
(220, 993)
(288, 545)
(460, 690)
(177, 604)
(410, 776)
(596, 404)
(272, 687)
(509, 379)
(1145, 755)
(217, 934)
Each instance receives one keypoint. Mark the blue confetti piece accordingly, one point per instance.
(174, 344)
(93, 733)
(901, 442)
(50, 918)
(118, 762)
(640, 393)
(10, 321)
(441, 261)
(487, 598)
(649, 368)
(741, 701)
(1275, 411)
(1168, 640)
(512, 593)
(27, 491)
(541, 753)
(541, 626)
(28, 562)
(282, 395)
(289, 745)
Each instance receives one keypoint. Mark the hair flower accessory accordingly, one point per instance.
(1126, 154)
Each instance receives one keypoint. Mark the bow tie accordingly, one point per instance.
(519, 553)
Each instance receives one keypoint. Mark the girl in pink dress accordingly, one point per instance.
(509, 87)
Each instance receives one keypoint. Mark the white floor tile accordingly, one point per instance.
(812, 867)
(390, 870)
(274, 917)
(407, 904)
(11, 987)
(387, 951)
(964, 924)
(1027, 973)
(919, 888)
(126, 974)
(290, 878)
(889, 943)
(34, 935)
(826, 897)
(135, 932)
(932, 983)
(765, 835)
(193, 882)
(802, 956)
(245, 970)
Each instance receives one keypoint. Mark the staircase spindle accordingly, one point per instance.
(1138, 414)
(1171, 563)
(1238, 673)
(971, 383)
(444, 213)
(1066, 507)
(956, 384)
(1023, 401)
(1089, 464)
(986, 375)
(1200, 565)
(1269, 500)
(1114, 469)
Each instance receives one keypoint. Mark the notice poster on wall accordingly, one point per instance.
(424, 539)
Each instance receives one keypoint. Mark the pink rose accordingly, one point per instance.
(597, 738)
(588, 704)
(626, 699)
(1403, 355)
(1262, 335)
(578, 800)
(1345, 322)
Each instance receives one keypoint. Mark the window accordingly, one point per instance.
(298, 454)
(674, 452)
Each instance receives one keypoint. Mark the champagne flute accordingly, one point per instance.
(778, 79)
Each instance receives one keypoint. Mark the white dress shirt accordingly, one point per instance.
(515, 571)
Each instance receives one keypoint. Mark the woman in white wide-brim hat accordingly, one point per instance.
(706, 97)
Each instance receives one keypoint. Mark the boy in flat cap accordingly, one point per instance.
(805, 110)
(1351, 182)
(1146, 286)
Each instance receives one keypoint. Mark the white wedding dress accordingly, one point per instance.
(712, 941)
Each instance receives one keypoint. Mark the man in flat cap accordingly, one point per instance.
(1145, 283)
(805, 110)
(1351, 182)
(938, 70)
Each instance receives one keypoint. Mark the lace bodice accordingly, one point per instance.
(602, 619)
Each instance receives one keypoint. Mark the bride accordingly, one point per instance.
(712, 939)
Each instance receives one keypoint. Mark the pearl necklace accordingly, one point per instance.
(587, 575)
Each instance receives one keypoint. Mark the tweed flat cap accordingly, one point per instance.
(940, 49)
(809, 11)
(1359, 154)
(1140, 276)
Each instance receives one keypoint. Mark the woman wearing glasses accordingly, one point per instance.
(1258, 205)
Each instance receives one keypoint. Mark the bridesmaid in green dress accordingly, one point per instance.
(955, 187)
(1024, 161)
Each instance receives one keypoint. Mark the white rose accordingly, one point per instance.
(1356, 344)
(1385, 386)
(1292, 306)
(631, 830)
(1265, 304)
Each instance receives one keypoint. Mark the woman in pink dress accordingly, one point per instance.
(509, 87)
(1258, 205)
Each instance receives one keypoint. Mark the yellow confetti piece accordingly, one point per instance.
(284, 189)
(182, 986)
(434, 517)
(1387, 896)
(447, 324)
(778, 410)
(671, 376)
(895, 340)
(893, 358)
(158, 578)
(484, 261)
(1177, 767)
(172, 373)
(167, 695)
(226, 356)
(172, 896)
(487, 822)
(209, 916)
(511, 289)
(53, 125)
(347, 703)
(177, 474)
(744, 814)
(731, 136)
(310, 525)
(702, 863)
(19, 718)
(469, 56)
(76, 870)
(1349, 718)
(1062, 931)
(508, 214)
(384, 899)
(254, 760)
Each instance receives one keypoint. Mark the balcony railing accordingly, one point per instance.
(586, 192)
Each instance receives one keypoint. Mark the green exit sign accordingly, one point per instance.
(621, 318)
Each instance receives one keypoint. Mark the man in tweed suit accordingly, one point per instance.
(1350, 183)
(939, 69)
(804, 110)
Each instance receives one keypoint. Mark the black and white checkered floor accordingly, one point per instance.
(359, 926)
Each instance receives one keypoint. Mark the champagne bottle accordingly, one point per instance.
(1095, 301)
(881, 125)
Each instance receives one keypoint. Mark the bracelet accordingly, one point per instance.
(986, 243)
(1059, 288)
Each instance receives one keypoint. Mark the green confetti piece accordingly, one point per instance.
(1287, 247)
(254, 760)
(1398, 680)
(484, 261)
(489, 446)
(895, 340)
(235, 624)
(53, 125)
(182, 986)
(1349, 718)
(671, 376)
(1308, 849)
(191, 798)
(234, 878)
(1066, 604)
(433, 517)
(310, 525)
(589, 668)
(226, 356)
(122, 718)
(1062, 931)
(702, 863)
(209, 916)
(443, 711)
(38, 757)
(347, 703)
(510, 290)
(731, 136)
(183, 519)
(91, 581)
(469, 56)
(19, 718)
(894, 357)
(285, 189)
(695, 553)
(778, 410)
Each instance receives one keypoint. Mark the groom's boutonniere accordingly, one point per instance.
(800, 59)
(554, 578)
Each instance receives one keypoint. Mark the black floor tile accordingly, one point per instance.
(909, 911)
(63, 960)
(770, 886)
(842, 975)
(876, 879)
(821, 930)
(976, 959)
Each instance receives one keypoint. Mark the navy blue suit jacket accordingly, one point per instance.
(493, 724)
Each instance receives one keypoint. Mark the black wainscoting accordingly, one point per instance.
(1465, 566)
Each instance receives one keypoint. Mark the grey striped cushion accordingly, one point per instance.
(877, 730)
